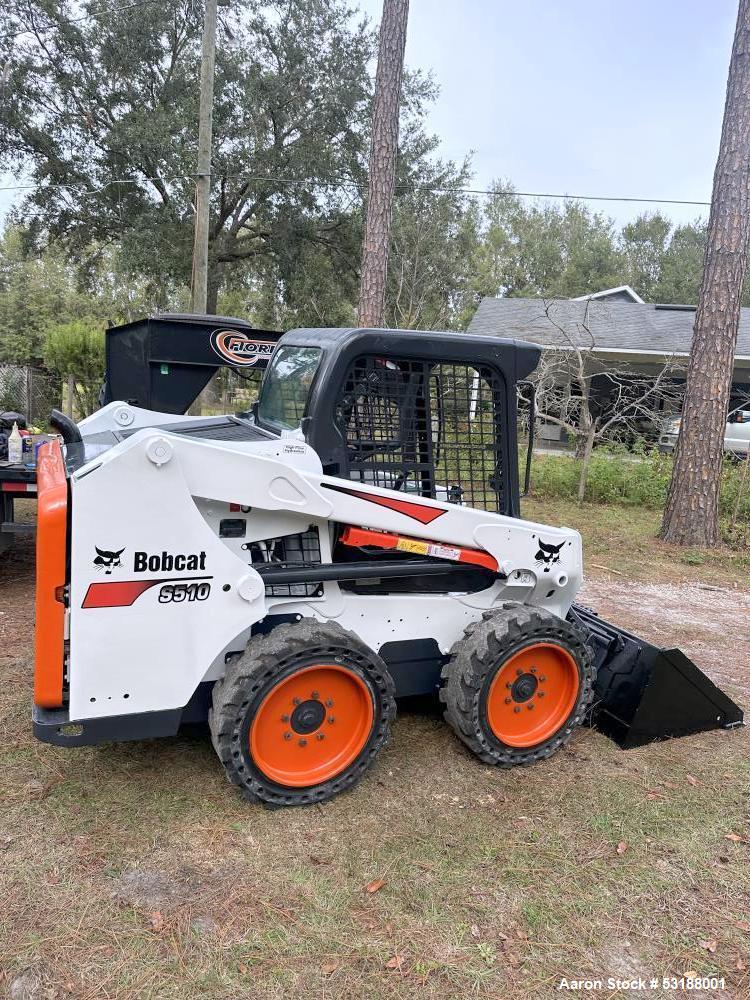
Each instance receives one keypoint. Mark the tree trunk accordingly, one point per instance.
(588, 447)
(691, 516)
(382, 175)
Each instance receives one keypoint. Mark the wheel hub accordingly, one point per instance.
(532, 694)
(524, 687)
(308, 716)
(311, 725)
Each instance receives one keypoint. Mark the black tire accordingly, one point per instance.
(478, 657)
(271, 659)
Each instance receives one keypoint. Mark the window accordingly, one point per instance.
(286, 386)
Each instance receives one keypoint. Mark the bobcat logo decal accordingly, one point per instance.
(107, 560)
(548, 554)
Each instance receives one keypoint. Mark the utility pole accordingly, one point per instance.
(383, 152)
(199, 290)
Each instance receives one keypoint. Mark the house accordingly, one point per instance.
(642, 334)
(617, 327)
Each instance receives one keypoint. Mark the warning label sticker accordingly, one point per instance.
(428, 549)
(412, 545)
(444, 552)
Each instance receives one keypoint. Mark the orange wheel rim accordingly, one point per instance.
(312, 725)
(532, 694)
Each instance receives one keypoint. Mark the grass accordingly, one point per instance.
(623, 539)
(135, 871)
(619, 477)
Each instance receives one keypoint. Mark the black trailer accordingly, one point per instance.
(161, 362)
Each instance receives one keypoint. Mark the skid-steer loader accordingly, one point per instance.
(289, 572)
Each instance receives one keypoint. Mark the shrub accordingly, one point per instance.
(76, 350)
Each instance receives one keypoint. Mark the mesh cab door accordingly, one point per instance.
(424, 427)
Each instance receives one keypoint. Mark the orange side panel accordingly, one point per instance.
(363, 537)
(51, 576)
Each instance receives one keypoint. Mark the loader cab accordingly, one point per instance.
(427, 414)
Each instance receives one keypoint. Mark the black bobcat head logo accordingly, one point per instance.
(548, 554)
(107, 560)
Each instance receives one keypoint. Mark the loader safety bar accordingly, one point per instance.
(51, 575)
(367, 538)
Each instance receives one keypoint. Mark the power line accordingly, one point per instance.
(83, 17)
(343, 184)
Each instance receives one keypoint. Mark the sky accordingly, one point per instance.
(586, 97)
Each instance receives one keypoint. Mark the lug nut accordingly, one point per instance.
(519, 672)
(508, 701)
(540, 694)
(533, 670)
(509, 685)
(331, 719)
(530, 705)
(329, 703)
(303, 743)
(296, 701)
(517, 709)
(287, 736)
(542, 679)
(314, 694)
(285, 718)
(321, 736)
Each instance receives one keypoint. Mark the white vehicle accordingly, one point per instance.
(736, 433)
(286, 574)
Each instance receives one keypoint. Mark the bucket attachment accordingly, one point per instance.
(643, 693)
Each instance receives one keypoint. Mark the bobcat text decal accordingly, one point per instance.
(166, 562)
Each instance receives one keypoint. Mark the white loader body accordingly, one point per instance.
(288, 572)
(157, 499)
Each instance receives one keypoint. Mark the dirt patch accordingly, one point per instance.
(708, 622)
(17, 600)
(150, 889)
(27, 986)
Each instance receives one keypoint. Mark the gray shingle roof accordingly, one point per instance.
(616, 325)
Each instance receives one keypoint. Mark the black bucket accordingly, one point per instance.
(644, 693)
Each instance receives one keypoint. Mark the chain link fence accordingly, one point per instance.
(31, 391)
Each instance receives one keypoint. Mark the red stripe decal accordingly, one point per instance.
(14, 487)
(116, 594)
(418, 511)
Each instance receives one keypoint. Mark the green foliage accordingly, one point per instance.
(75, 350)
(542, 249)
(561, 251)
(115, 97)
(681, 266)
(38, 291)
(433, 243)
(644, 244)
